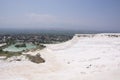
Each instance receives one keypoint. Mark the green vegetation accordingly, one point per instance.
(9, 54)
(1, 50)
(36, 59)
(10, 41)
(41, 46)
(20, 45)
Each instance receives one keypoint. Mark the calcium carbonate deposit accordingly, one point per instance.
(85, 57)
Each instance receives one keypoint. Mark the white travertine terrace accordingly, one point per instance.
(85, 57)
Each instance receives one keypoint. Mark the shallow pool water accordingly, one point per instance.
(12, 47)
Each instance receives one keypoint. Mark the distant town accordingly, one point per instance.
(34, 38)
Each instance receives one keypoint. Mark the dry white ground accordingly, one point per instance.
(2, 44)
(82, 58)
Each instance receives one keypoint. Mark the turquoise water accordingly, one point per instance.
(12, 48)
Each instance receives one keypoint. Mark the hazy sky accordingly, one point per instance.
(94, 15)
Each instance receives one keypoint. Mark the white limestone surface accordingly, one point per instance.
(82, 58)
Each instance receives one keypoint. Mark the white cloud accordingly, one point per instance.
(37, 18)
(42, 18)
(47, 21)
(28, 19)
